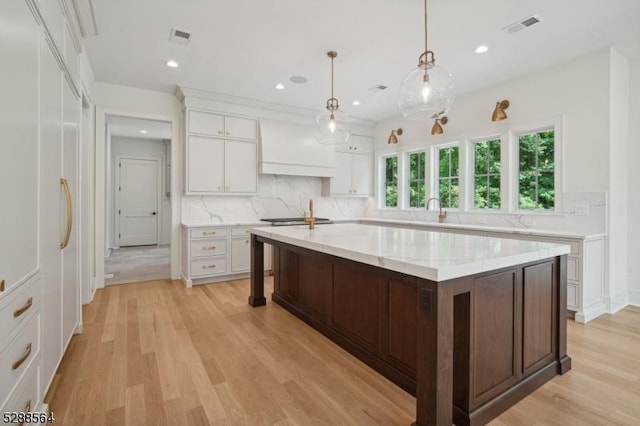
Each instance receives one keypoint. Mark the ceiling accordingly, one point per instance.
(244, 47)
(128, 127)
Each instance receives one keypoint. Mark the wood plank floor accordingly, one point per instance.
(156, 353)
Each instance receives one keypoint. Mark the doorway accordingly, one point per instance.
(138, 199)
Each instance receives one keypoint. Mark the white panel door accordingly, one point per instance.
(70, 254)
(241, 128)
(138, 193)
(205, 164)
(19, 40)
(341, 183)
(362, 174)
(240, 167)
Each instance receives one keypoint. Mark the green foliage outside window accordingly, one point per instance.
(536, 183)
(391, 181)
(417, 182)
(448, 172)
(487, 174)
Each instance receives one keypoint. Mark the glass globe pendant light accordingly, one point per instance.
(334, 125)
(428, 91)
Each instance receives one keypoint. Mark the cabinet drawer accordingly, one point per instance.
(573, 268)
(213, 247)
(25, 397)
(17, 356)
(573, 293)
(209, 266)
(241, 128)
(18, 306)
(241, 231)
(208, 232)
(206, 123)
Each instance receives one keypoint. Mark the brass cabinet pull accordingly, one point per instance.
(220, 188)
(246, 241)
(208, 266)
(209, 248)
(228, 188)
(23, 358)
(219, 132)
(209, 233)
(1, 285)
(24, 309)
(67, 195)
(227, 133)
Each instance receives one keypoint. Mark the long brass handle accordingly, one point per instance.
(209, 248)
(67, 195)
(24, 309)
(27, 409)
(23, 358)
(208, 266)
(209, 233)
(1, 285)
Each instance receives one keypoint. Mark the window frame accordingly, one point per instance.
(435, 174)
(471, 168)
(407, 174)
(382, 183)
(557, 126)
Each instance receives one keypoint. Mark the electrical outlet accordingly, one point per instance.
(582, 209)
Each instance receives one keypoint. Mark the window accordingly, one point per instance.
(448, 171)
(486, 174)
(536, 171)
(391, 181)
(417, 181)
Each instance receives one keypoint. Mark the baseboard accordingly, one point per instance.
(591, 313)
(617, 303)
(79, 328)
(634, 297)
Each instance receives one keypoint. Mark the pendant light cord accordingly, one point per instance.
(332, 58)
(426, 48)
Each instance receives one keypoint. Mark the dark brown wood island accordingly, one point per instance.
(469, 325)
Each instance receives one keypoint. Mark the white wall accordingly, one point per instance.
(633, 176)
(145, 148)
(577, 92)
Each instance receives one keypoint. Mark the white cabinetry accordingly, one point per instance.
(217, 253)
(354, 169)
(221, 154)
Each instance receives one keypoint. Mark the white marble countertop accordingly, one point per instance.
(209, 225)
(436, 256)
(462, 226)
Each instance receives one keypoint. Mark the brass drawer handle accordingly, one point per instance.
(23, 358)
(209, 248)
(246, 241)
(24, 309)
(1, 285)
(208, 266)
(209, 233)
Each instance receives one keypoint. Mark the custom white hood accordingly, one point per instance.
(292, 149)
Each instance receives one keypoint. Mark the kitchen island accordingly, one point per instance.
(469, 325)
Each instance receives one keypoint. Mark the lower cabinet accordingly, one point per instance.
(217, 253)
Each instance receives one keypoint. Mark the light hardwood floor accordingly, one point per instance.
(156, 353)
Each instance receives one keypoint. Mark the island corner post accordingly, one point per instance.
(455, 335)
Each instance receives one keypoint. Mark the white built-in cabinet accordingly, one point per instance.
(354, 169)
(39, 288)
(221, 154)
(218, 253)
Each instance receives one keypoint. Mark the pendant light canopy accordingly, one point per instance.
(427, 92)
(334, 125)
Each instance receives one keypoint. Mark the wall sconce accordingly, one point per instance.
(498, 113)
(393, 137)
(437, 126)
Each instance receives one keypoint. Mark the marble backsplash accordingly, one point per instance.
(288, 196)
(278, 196)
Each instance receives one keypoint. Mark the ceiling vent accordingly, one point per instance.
(180, 36)
(378, 88)
(522, 24)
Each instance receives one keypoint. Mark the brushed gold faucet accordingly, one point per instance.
(310, 219)
(442, 214)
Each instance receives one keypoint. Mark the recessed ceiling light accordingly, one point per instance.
(172, 64)
(356, 102)
(482, 48)
(298, 79)
(144, 132)
(279, 86)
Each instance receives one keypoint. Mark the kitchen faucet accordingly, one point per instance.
(442, 214)
(311, 220)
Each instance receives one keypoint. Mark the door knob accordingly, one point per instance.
(154, 213)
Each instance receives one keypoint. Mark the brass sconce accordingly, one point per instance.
(393, 137)
(498, 113)
(437, 126)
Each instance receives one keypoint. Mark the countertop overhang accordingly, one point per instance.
(437, 256)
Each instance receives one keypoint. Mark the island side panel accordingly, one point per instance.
(257, 272)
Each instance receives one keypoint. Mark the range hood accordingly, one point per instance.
(292, 149)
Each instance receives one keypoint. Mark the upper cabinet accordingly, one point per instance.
(221, 154)
(229, 127)
(354, 169)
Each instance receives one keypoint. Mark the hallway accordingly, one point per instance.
(137, 263)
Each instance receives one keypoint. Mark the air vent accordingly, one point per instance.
(180, 36)
(522, 24)
(378, 88)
